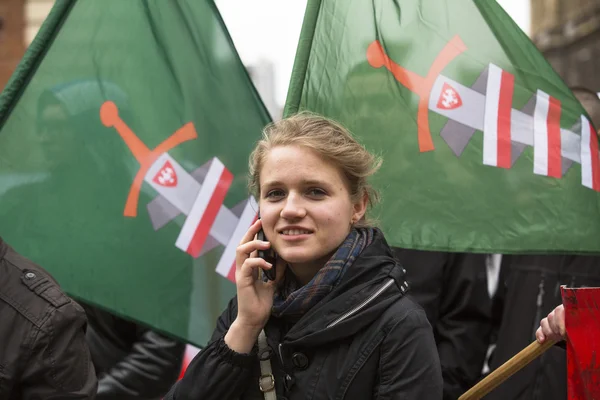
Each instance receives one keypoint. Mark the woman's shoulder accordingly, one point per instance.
(405, 313)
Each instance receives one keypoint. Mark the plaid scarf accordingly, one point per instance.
(295, 300)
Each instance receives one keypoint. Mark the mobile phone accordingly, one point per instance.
(268, 255)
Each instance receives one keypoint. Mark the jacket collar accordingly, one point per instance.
(371, 285)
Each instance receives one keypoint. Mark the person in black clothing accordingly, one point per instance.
(530, 289)
(453, 290)
(132, 362)
(337, 320)
(43, 353)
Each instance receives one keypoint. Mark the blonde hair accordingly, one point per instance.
(328, 139)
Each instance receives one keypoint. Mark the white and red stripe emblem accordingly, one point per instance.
(497, 118)
(547, 158)
(590, 163)
(449, 98)
(204, 211)
(226, 265)
(166, 176)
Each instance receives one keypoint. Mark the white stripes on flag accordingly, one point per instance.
(497, 119)
(547, 158)
(204, 211)
(226, 265)
(590, 163)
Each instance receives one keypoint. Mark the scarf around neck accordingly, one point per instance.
(292, 299)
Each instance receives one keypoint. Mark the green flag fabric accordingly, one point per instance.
(485, 148)
(124, 143)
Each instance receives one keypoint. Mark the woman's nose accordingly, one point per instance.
(293, 208)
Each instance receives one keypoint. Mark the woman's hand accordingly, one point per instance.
(254, 297)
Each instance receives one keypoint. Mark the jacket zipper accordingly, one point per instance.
(280, 355)
(363, 304)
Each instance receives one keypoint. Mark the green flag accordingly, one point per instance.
(485, 149)
(124, 142)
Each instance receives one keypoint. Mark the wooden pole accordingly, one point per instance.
(506, 370)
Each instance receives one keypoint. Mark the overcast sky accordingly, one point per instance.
(269, 29)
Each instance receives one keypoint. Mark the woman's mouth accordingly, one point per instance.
(295, 232)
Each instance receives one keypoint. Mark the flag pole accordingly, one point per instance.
(33, 57)
(506, 370)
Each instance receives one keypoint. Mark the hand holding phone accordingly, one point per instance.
(268, 255)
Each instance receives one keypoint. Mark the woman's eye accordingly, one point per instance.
(275, 194)
(316, 192)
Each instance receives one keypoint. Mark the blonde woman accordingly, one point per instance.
(337, 320)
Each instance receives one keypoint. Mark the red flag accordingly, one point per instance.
(582, 322)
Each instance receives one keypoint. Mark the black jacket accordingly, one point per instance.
(452, 288)
(132, 361)
(531, 289)
(364, 340)
(43, 354)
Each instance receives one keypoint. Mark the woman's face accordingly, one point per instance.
(305, 206)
